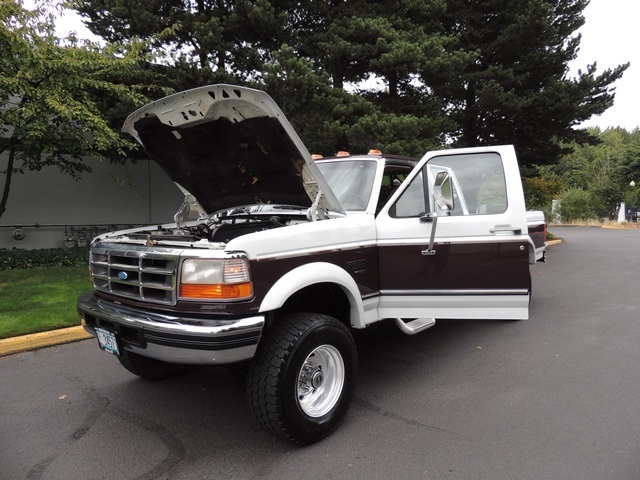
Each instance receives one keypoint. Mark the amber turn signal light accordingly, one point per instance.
(217, 291)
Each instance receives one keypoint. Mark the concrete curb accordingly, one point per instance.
(33, 341)
(613, 227)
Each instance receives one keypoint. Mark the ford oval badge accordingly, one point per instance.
(123, 275)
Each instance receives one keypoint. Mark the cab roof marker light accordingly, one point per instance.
(342, 153)
(374, 151)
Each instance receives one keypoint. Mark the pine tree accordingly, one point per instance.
(452, 72)
(515, 88)
(376, 50)
(206, 41)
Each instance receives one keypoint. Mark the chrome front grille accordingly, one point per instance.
(135, 272)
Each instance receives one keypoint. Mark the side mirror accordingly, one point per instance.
(443, 192)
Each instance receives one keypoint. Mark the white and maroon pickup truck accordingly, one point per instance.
(274, 258)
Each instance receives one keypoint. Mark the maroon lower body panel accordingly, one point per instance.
(538, 234)
(466, 266)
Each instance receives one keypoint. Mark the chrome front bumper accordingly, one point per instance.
(173, 338)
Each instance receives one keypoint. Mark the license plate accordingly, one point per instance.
(107, 341)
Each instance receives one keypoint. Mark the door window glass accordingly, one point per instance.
(392, 178)
(412, 201)
(479, 186)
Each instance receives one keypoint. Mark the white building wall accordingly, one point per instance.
(95, 203)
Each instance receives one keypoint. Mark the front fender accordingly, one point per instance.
(311, 274)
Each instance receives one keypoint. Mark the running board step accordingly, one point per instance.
(415, 325)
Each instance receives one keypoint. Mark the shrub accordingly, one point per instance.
(539, 192)
(632, 197)
(577, 204)
(20, 259)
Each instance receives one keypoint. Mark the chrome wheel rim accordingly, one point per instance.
(320, 381)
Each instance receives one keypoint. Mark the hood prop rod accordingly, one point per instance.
(315, 213)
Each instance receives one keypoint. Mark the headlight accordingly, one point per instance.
(227, 279)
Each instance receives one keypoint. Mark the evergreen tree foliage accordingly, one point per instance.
(515, 87)
(405, 75)
(387, 45)
(208, 40)
(331, 119)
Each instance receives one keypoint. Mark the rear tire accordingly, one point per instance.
(149, 368)
(302, 380)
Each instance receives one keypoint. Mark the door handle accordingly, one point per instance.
(505, 229)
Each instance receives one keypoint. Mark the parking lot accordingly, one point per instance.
(552, 397)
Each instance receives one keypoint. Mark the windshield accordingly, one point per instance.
(351, 181)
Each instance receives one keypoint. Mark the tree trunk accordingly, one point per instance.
(338, 80)
(393, 80)
(7, 179)
(469, 136)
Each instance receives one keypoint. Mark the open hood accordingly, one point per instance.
(230, 146)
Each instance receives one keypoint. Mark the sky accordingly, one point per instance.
(610, 37)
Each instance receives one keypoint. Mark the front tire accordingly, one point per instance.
(302, 380)
(149, 368)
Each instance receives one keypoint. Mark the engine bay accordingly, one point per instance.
(222, 228)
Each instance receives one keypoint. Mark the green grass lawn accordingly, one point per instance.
(40, 299)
